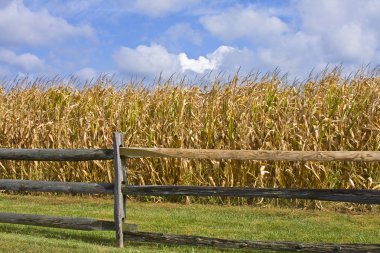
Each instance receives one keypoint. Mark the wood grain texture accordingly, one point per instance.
(322, 156)
(56, 154)
(118, 196)
(62, 222)
(124, 181)
(54, 186)
(253, 245)
(342, 195)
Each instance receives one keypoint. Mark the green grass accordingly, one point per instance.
(233, 222)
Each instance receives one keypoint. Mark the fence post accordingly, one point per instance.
(119, 179)
(124, 181)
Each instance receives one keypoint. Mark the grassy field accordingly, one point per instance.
(233, 222)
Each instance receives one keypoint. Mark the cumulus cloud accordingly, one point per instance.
(239, 22)
(211, 62)
(27, 62)
(159, 8)
(149, 61)
(348, 30)
(199, 65)
(309, 35)
(146, 60)
(87, 74)
(24, 26)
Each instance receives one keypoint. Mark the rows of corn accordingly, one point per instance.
(327, 112)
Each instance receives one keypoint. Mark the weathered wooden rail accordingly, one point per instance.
(120, 189)
(252, 245)
(342, 195)
(321, 156)
(55, 154)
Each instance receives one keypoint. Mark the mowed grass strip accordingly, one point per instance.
(232, 222)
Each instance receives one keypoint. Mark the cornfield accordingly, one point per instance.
(326, 112)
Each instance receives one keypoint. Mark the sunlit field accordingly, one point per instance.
(229, 222)
(326, 112)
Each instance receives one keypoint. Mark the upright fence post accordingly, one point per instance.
(124, 181)
(119, 179)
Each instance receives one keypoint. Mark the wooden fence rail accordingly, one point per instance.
(107, 154)
(53, 186)
(252, 245)
(55, 154)
(290, 156)
(120, 189)
(342, 195)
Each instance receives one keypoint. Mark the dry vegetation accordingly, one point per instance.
(327, 112)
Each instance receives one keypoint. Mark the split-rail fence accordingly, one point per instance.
(120, 188)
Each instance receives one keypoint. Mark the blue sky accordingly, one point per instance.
(142, 38)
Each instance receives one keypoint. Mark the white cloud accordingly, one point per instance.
(158, 8)
(87, 74)
(211, 62)
(348, 30)
(23, 26)
(197, 66)
(183, 31)
(224, 58)
(27, 62)
(309, 35)
(146, 61)
(239, 22)
(149, 61)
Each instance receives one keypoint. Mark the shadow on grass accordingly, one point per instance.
(93, 237)
(101, 238)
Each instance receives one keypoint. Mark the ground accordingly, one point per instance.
(232, 222)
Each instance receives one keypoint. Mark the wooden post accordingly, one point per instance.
(124, 183)
(119, 204)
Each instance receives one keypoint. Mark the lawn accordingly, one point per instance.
(231, 222)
